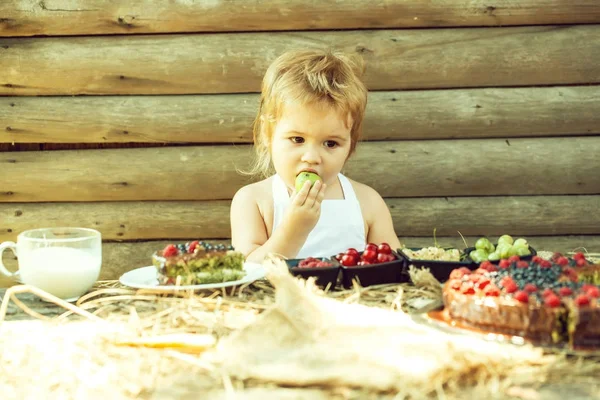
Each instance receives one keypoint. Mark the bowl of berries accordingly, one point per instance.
(325, 270)
(377, 264)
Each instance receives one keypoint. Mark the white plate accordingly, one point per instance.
(146, 278)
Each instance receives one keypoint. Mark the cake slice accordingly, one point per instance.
(198, 263)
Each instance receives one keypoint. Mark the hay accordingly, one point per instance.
(279, 339)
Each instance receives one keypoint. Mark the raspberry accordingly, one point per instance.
(485, 264)
(522, 264)
(507, 279)
(514, 259)
(193, 246)
(580, 262)
(548, 292)
(593, 292)
(565, 291)
(582, 300)
(552, 301)
(545, 264)
(504, 263)
(562, 261)
(536, 259)
(459, 272)
(521, 296)
(170, 251)
(571, 274)
(510, 287)
(530, 288)
(492, 290)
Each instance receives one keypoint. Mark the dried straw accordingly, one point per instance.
(76, 355)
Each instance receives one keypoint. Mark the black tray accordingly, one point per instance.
(375, 274)
(525, 258)
(324, 275)
(439, 269)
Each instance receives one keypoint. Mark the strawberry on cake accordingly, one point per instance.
(548, 301)
(196, 263)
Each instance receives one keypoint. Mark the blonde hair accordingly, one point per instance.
(308, 77)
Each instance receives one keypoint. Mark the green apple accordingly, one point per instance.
(506, 239)
(306, 176)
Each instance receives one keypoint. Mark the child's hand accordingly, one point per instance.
(305, 208)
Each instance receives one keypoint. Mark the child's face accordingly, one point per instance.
(314, 138)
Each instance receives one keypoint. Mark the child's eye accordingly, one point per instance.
(331, 144)
(297, 139)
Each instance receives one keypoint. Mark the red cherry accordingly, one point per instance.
(339, 256)
(348, 260)
(593, 291)
(536, 259)
(384, 248)
(565, 291)
(352, 252)
(579, 256)
(545, 264)
(522, 296)
(582, 300)
(522, 264)
(369, 255)
(383, 257)
(170, 250)
(371, 246)
(504, 263)
(552, 301)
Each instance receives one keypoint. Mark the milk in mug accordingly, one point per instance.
(65, 272)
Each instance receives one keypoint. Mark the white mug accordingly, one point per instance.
(64, 262)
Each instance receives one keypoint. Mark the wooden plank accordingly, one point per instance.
(230, 63)
(521, 215)
(398, 115)
(403, 169)
(96, 17)
(118, 258)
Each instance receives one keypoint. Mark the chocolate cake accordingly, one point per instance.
(196, 263)
(548, 301)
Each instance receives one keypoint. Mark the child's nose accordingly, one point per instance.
(311, 156)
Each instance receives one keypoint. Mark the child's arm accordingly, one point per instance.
(249, 233)
(379, 220)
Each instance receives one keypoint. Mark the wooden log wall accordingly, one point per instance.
(483, 116)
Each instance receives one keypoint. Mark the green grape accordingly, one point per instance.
(478, 255)
(493, 256)
(520, 242)
(506, 239)
(522, 250)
